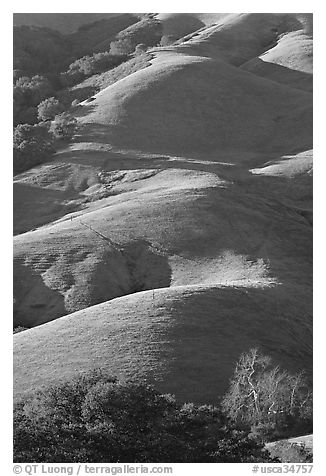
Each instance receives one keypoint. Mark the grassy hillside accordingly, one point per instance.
(216, 117)
(240, 237)
(186, 340)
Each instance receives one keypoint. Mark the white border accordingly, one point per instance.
(319, 230)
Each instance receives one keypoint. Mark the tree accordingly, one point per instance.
(71, 77)
(34, 89)
(123, 46)
(28, 93)
(89, 65)
(63, 126)
(32, 146)
(269, 400)
(105, 61)
(95, 418)
(49, 108)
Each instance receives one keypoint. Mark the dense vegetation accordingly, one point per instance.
(147, 32)
(95, 418)
(88, 65)
(29, 92)
(47, 64)
(33, 144)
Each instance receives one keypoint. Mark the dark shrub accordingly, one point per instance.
(89, 65)
(32, 146)
(27, 94)
(95, 418)
(49, 108)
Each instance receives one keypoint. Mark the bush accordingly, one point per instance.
(40, 49)
(63, 126)
(35, 88)
(122, 47)
(89, 65)
(95, 418)
(271, 401)
(105, 61)
(28, 93)
(71, 77)
(32, 146)
(49, 108)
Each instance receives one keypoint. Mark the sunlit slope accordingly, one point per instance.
(185, 340)
(189, 103)
(290, 60)
(238, 37)
(288, 166)
(48, 192)
(177, 25)
(165, 228)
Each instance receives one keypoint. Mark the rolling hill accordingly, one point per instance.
(186, 339)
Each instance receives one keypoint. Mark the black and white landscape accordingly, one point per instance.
(163, 236)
